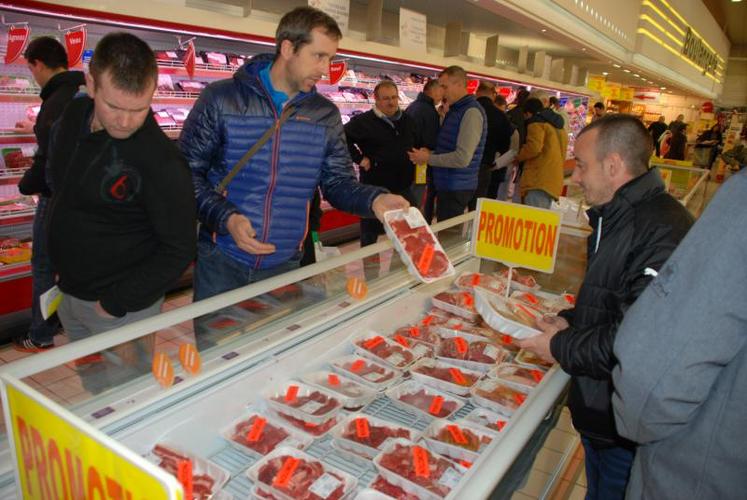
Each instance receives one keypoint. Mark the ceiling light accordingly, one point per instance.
(626, 70)
(605, 73)
(583, 49)
(662, 88)
(616, 65)
(636, 75)
(543, 30)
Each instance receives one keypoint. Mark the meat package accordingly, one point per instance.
(418, 348)
(504, 315)
(468, 281)
(458, 440)
(414, 395)
(517, 375)
(302, 424)
(437, 317)
(519, 280)
(497, 396)
(353, 395)
(288, 473)
(15, 157)
(445, 376)
(302, 401)
(415, 468)
(476, 354)
(363, 370)
(531, 360)
(366, 435)
(383, 349)
(416, 244)
(419, 333)
(486, 418)
(544, 303)
(460, 303)
(207, 478)
(259, 433)
(391, 491)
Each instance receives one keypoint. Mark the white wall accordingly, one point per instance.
(735, 85)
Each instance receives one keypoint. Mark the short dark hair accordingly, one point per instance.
(296, 26)
(625, 135)
(533, 106)
(553, 100)
(455, 72)
(598, 105)
(384, 83)
(486, 86)
(430, 84)
(521, 97)
(129, 61)
(500, 100)
(49, 51)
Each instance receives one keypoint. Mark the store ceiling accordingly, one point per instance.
(732, 17)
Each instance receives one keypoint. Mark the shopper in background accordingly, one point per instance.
(254, 228)
(677, 122)
(516, 114)
(543, 155)
(656, 129)
(554, 104)
(456, 159)
(598, 111)
(427, 122)
(710, 140)
(47, 61)
(122, 223)
(677, 143)
(682, 363)
(379, 141)
(636, 226)
(497, 142)
(504, 179)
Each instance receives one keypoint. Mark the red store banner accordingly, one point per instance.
(337, 70)
(189, 59)
(75, 43)
(472, 86)
(18, 37)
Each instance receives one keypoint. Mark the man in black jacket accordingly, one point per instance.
(47, 62)
(378, 141)
(122, 215)
(636, 226)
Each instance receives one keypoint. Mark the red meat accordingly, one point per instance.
(377, 434)
(463, 300)
(373, 373)
(450, 348)
(313, 429)
(424, 401)
(302, 479)
(202, 484)
(401, 228)
(421, 333)
(266, 440)
(445, 374)
(484, 352)
(387, 488)
(327, 404)
(390, 352)
(464, 438)
(400, 461)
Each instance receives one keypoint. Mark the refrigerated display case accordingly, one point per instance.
(291, 327)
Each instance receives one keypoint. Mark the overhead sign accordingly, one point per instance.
(58, 455)
(189, 59)
(472, 86)
(75, 43)
(18, 37)
(595, 83)
(696, 50)
(626, 93)
(516, 235)
(338, 9)
(412, 30)
(337, 70)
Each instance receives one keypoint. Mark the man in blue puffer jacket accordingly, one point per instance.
(256, 228)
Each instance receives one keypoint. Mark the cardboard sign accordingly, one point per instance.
(189, 59)
(337, 70)
(75, 43)
(58, 455)
(516, 235)
(18, 37)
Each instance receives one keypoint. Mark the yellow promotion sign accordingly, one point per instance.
(60, 456)
(611, 91)
(516, 235)
(595, 83)
(627, 93)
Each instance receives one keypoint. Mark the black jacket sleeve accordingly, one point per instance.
(353, 134)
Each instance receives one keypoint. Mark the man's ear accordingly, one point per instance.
(615, 165)
(286, 49)
(90, 85)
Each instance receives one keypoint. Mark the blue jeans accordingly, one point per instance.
(538, 198)
(607, 471)
(42, 277)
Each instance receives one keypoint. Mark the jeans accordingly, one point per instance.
(538, 198)
(43, 278)
(452, 203)
(607, 471)
(124, 362)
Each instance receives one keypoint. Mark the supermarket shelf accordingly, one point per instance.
(10, 272)
(11, 175)
(17, 216)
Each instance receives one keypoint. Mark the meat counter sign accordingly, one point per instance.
(75, 43)
(18, 37)
(516, 235)
(60, 456)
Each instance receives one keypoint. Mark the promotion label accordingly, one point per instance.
(75, 43)
(516, 235)
(59, 456)
(18, 37)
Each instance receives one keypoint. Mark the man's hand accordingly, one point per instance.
(419, 156)
(365, 164)
(386, 202)
(244, 235)
(540, 345)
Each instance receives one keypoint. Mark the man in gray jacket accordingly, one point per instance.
(682, 373)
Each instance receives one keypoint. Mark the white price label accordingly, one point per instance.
(420, 350)
(325, 485)
(450, 478)
(311, 406)
(372, 376)
(28, 151)
(395, 359)
(491, 351)
(413, 218)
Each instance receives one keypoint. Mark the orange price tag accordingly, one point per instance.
(468, 299)
(420, 461)
(357, 288)
(526, 311)
(284, 475)
(333, 379)
(291, 392)
(519, 398)
(465, 464)
(401, 340)
(190, 358)
(461, 345)
(361, 428)
(415, 331)
(457, 434)
(426, 258)
(531, 298)
(458, 376)
(436, 404)
(184, 476)
(506, 339)
(457, 326)
(536, 375)
(569, 298)
(163, 370)
(357, 365)
(427, 320)
(373, 342)
(255, 432)
(475, 279)
(500, 424)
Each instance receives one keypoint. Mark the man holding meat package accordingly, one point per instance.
(636, 225)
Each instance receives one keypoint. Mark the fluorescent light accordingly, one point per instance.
(626, 70)
(636, 75)
(605, 73)
(616, 65)
(662, 88)
(543, 30)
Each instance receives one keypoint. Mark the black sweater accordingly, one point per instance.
(122, 218)
(386, 146)
(55, 96)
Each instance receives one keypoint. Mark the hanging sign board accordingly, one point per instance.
(516, 235)
(595, 83)
(58, 455)
(472, 86)
(337, 70)
(189, 59)
(18, 37)
(338, 9)
(75, 44)
(412, 30)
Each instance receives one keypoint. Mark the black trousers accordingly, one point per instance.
(452, 203)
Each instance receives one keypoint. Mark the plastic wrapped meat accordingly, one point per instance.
(526, 280)
(387, 488)
(520, 375)
(485, 281)
(297, 477)
(477, 351)
(452, 375)
(462, 437)
(202, 484)
(419, 333)
(498, 393)
(368, 371)
(191, 86)
(363, 431)
(529, 358)
(417, 244)
(391, 352)
(458, 303)
(421, 467)
(314, 403)
(433, 404)
(309, 427)
(258, 434)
